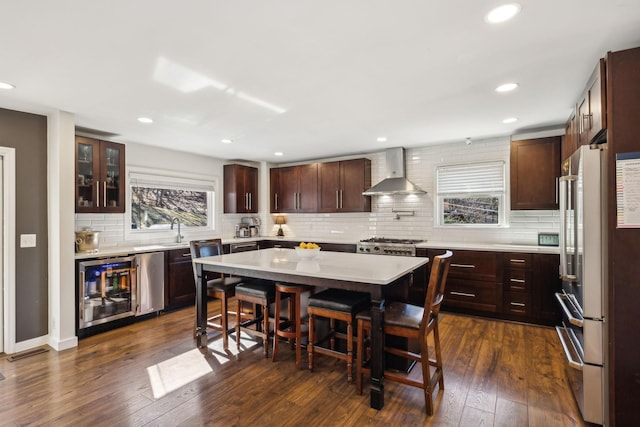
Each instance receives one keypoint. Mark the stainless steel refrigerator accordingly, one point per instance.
(583, 300)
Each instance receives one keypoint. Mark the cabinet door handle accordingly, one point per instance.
(463, 294)
(97, 194)
(517, 280)
(341, 204)
(337, 199)
(463, 265)
(295, 200)
(588, 126)
(250, 202)
(186, 254)
(517, 304)
(104, 195)
(276, 200)
(519, 261)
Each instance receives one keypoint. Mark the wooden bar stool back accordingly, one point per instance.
(260, 294)
(219, 286)
(410, 321)
(336, 305)
(295, 327)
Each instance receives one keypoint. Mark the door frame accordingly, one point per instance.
(8, 239)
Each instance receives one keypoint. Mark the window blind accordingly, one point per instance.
(472, 178)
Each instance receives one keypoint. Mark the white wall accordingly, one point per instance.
(421, 163)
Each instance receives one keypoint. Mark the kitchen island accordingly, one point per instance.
(365, 273)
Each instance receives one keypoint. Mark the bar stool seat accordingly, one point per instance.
(291, 328)
(261, 294)
(340, 305)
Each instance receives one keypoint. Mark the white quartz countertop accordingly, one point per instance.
(496, 247)
(477, 246)
(353, 267)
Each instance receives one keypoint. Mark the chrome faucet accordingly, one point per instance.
(174, 221)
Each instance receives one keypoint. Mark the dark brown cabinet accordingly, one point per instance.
(591, 109)
(518, 285)
(341, 185)
(297, 189)
(100, 178)
(535, 169)
(240, 189)
(180, 285)
(274, 187)
(546, 282)
(474, 283)
(530, 284)
(570, 139)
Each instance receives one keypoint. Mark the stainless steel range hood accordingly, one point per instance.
(395, 182)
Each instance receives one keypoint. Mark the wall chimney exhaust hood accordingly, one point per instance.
(395, 182)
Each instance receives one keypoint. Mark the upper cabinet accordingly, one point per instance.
(297, 189)
(570, 140)
(591, 109)
(535, 169)
(321, 187)
(100, 178)
(240, 189)
(341, 185)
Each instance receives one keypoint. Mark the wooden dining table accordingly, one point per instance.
(374, 274)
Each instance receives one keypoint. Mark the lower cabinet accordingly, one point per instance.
(546, 282)
(474, 283)
(180, 288)
(505, 285)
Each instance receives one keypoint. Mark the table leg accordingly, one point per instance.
(377, 352)
(201, 308)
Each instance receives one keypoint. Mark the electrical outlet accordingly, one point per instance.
(27, 240)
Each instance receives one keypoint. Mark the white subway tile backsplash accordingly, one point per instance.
(421, 164)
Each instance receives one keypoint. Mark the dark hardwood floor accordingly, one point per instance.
(150, 373)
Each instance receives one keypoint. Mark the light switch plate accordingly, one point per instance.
(27, 240)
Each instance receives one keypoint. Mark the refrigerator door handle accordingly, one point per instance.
(575, 364)
(565, 207)
(572, 319)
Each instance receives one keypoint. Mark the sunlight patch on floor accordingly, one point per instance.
(247, 342)
(176, 372)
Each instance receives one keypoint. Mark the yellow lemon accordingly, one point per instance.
(303, 245)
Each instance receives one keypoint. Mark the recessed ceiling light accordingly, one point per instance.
(510, 120)
(507, 87)
(503, 13)
(278, 153)
(226, 141)
(145, 120)
(381, 139)
(4, 85)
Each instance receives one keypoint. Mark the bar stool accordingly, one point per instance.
(335, 304)
(220, 287)
(261, 294)
(413, 322)
(291, 328)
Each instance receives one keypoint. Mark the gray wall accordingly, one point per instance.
(27, 133)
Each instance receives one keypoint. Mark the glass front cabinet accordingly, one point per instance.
(99, 176)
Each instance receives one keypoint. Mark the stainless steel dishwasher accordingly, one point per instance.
(150, 295)
(243, 247)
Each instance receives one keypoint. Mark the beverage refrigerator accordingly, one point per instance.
(583, 264)
(106, 290)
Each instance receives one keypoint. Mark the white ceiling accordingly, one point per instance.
(312, 79)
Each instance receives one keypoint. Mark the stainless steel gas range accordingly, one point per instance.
(385, 246)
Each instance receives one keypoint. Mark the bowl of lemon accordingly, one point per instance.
(307, 250)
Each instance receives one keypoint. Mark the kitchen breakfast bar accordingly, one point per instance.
(358, 272)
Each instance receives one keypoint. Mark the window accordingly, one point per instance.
(155, 200)
(471, 194)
